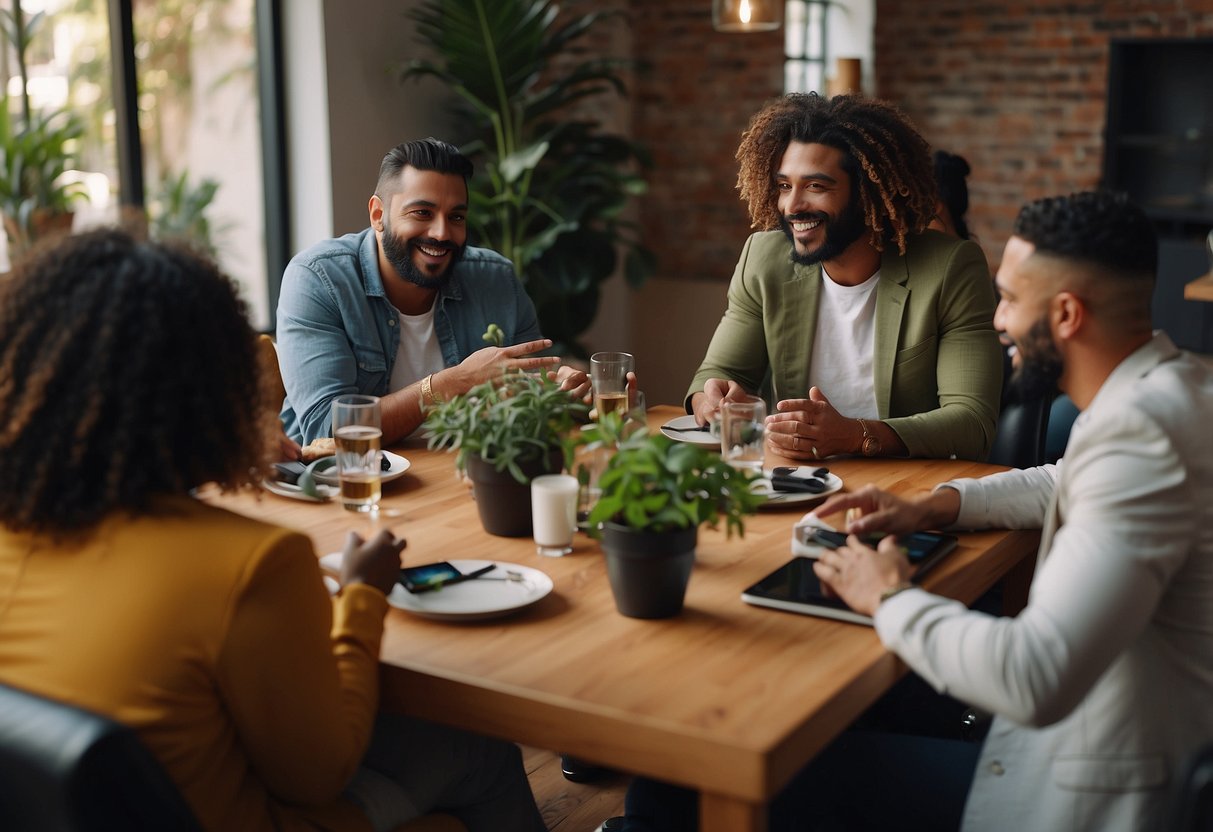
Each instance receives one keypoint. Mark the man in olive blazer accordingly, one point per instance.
(871, 334)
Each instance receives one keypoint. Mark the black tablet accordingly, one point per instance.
(794, 587)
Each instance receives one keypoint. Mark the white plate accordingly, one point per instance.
(478, 598)
(398, 466)
(776, 499)
(286, 489)
(695, 437)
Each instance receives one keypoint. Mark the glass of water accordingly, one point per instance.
(357, 434)
(742, 429)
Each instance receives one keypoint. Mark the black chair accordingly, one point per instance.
(1020, 439)
(1192, 805)
(63, 769)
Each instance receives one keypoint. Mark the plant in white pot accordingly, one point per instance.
(655, 494)
(506, 433)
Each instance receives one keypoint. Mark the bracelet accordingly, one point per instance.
(893, 590)
(428, 396)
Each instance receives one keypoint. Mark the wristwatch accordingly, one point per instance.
(870, 446)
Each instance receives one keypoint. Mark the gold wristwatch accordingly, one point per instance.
(870, 446)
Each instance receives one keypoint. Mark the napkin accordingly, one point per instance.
(801, 547)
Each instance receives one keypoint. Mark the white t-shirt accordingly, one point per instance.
(842, 348)
(419, 353)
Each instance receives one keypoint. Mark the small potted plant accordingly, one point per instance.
(655, 493)
(507, 432)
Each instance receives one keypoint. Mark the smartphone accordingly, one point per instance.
(429, 576)
(289, 471)
(922, 549)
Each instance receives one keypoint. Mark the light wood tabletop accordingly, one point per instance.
(727, 698)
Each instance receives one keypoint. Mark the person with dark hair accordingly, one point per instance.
(951, 171)
(128, 378)
(400, 309)
(872, 334)
(1101, 685)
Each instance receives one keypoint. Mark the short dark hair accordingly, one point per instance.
(951, 171)
(127, 370)
(887, 159)
(422, 154)
(1100, 228)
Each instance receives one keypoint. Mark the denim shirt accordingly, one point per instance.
(338, 333)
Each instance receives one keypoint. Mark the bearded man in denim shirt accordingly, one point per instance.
(398, 310)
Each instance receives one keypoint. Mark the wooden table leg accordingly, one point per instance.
(718, 813)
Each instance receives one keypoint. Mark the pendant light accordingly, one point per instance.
(747, 15)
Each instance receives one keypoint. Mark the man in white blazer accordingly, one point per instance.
(1103, 685)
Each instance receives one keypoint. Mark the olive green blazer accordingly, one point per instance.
(937, 360)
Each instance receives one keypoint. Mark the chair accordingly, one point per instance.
(1020, 439)
(64, 769)
(1192, 804)
(267, 356)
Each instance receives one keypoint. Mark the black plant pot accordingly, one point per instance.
(503, 502)
(649, 571)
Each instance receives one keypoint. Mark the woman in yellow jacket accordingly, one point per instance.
(127, 378)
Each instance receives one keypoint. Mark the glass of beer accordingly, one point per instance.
(609, 375)
(356, 433)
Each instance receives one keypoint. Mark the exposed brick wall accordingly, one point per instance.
(690, 108)
(1018, 88)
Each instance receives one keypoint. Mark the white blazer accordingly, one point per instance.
(1103, 685)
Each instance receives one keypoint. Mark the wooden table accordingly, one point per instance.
(727, 698)
(1200, 289)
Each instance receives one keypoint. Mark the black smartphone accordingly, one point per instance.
(922, 549)
(429, 576)
(289, 471)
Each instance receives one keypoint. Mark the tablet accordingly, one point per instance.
(794, 587)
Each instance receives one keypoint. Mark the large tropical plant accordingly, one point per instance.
(551, 185)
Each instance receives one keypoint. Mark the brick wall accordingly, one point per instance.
(690, 108)
(1018, 88)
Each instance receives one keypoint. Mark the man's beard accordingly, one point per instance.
(1040, 364)
(400, 254)
(839, 233)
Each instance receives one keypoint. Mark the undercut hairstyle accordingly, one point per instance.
(128, 370)
(422, 154)
(1097, 228)
(888, 161)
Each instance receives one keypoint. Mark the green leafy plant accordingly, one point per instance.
(178, 210)
(508, 422)
(551, 187)
(653, 483)
(35, 152)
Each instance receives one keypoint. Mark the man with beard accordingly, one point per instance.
(1101, 686)
(399, 310)
(870, 333)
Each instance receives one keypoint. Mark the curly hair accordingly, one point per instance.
(1099, 228)
(888, 161)
(127, 370)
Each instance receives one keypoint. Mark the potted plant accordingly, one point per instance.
(655, 493)
(35, 152)
(507, 432)
(551, 185)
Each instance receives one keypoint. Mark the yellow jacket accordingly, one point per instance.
(213, 636)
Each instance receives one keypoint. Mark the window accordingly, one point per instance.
(203, 79)
(804, 66)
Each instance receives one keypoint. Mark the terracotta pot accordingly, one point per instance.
(503, 502)
(649, 571)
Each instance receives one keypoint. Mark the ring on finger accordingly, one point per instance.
(795, 442)
(813, 450)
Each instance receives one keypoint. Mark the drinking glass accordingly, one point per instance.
(554, 513)
(609, 375)
(742, 430)
(357, 434)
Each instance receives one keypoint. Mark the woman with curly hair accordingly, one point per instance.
(128, 377)
(871, 334)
